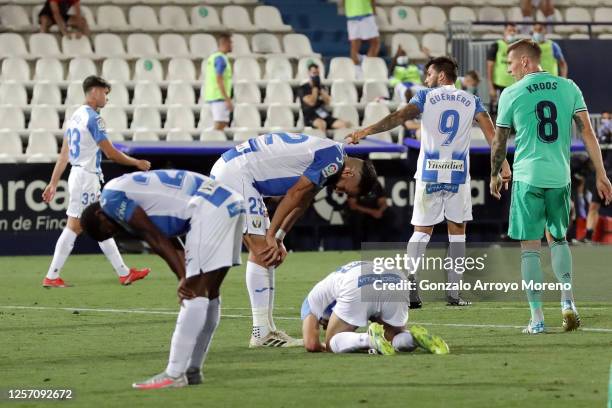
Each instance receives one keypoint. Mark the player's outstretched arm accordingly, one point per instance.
(498, 156)
(58, 170)
(488, 129)
(583, 122)
(391, 121)
(311, 334)
(119, 157)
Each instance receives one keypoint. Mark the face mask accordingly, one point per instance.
(538, 37)
(510, 38)
(402, 61)
(606, 122)
(316, 79)
(472, 90)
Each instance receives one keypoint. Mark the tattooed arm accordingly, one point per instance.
(498, 155)
(389, 122)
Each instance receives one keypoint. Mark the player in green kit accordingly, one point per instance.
(541, 107)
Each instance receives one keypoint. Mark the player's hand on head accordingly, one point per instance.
(143, 165)
(49, 193)
(495, 186)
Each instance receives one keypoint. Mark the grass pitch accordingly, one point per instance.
(98, 337)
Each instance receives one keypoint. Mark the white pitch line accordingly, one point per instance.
(239, 316)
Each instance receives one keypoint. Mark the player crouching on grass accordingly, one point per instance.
(350, 296)
(158, 206)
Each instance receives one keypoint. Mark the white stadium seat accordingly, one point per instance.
(237, 18)
(202, 45)
(244, 135)
(373, 90)
(266, 43)
(461, 13)
(143, 17)
(246, 69)
(180, 93)
(374, 68)
(409, 43)
(246, 115)
(41, 142)
(48, 69)
(436, 43)
(278, 67)
(119, 94)
(341, 68)
(74, 47)
(374, 112)
(44, 117)
(46, 93)
(114, 117)
(405, 18)
(302, 73)
(146, 118)
(14, 17)
(148, 69)
(575, 14)
(81, 68)
(44, 45)
(347, 113)
(12, 45)
(115, 136)
(212, 135)
(109, 45)
(206, 120)
(297, 45)
(111, 17)
(147, 93)
(89, 17)
(178, 135)
(343, 92)
(268, 18)
(145, 135)
(174, 18)
(12, 93)
(240, 46)
(279, 116)
(205, 18)
(491, 14)
(116, 69)
(74, 94)
(141, 45)
(15, 69)
(68, 112)
(173, 45)
(179, 117)
(603, 15)
(433, 18)
(181, 69)
(247, 92)
(278, 92)
(10, 144)
(382, 20)
(11, 117)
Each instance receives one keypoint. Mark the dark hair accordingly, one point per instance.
(368, 177)
(474, 75)
(509, 25)
(224, 36)
(90, 223)
(94, 81)
(312, 65)
(529, 47)
(448, 65)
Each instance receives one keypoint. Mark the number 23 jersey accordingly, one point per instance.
(84, 133)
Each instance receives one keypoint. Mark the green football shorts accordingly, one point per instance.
(534, 208)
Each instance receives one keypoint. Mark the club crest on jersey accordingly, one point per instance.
(101, 124)
(330, 170)
(454, 165)
(256, 223)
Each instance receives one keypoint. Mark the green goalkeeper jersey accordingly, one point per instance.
(541, 108)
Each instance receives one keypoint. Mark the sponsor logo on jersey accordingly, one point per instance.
(101, 124)
(330, 170)
(454, 165)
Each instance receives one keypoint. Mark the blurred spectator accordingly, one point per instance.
(361, 26)
(369, 217)
(56, 12)
(316, 101)
(530, 7)
(552, 60)
(405, 75)
(497, 66)
(469, 82)
(218, 89)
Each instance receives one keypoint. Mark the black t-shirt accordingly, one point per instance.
(310, 112)
(492, 52)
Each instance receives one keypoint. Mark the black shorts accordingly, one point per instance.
(329, 121)
(590, 184)
(46, 11)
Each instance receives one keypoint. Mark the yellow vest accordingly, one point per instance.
(357, 8)
(212, 91)
(548, 61)
(411, 73)
(501, 77)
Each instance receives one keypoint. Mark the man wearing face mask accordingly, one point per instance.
(552, 61)
(469, 82)
(497, 66)
(315, 101)
(406, 75)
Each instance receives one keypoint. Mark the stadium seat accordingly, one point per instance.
(81, 68)
(41, 158)
(73, 47)
(247, 92)
(147, 93)
(41, 142)
(278, 92)
(579, 36)
(48, 69)
(115, 136)
(246, 115)
(178, 135)
(297, 45)
(577, 14)
(603, 15)
(180, 93)
(202, 45)
(436, 43)
(244, 1)
(68, 112)
(343, 92)
(605, 36)
(181, 69)
(405, 19)
(14, 17)
(240, 46)
(174, 18)
(179, 117)
(558, 16)
(409, 43)
(341, 68)
(302, 72)
(148, 69)
(278, 67)
(514, 14)
(382, 20)
(244, 135)
(246, 69)
(143, 18)
(114, 117)
(375, 69)
(373, 113)
(433, 18)
(266, 43)
(206, 18)
(461, 13)
(236, 18)
(279, 116)
(12, 45)
(347, 113)
(46, 93)
(144, 135)
(373, 90)
(219, 2)
(44, 45)
(74, 94)
(12, 93)
(10, 144)
(141, 45)
(206, 120)
(111, 18)
(89, 17)
(268, 18)
(340, 135)
(146, 118)
(491, 14)
(15, 69)
(116, 69)
(212, 135)
(476, 133)
(11, 117)
(44, 117)
(109, 45)
(119, 94)
(173, 45)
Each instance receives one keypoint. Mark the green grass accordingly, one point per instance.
(99, 354)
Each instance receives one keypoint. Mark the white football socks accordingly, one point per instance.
(403, 342)
(416, 251)
(258, 286)
(348, 342)
(456, 251)
(63, 248)
(202, 345)
(109, 247)
(189, 325)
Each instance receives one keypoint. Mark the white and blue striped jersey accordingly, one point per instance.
(275, 161)
(166, 196)
(447, 116)
(84, 132)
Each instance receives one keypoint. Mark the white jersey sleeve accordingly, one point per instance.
(85, 131)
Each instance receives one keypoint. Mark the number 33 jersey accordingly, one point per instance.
(446, 124)
(541, 107)
(84, 132)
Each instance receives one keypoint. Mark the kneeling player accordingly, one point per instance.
(159, 205)
(346, 299)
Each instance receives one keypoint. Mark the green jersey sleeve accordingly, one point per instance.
(505, 110)
(579, 104)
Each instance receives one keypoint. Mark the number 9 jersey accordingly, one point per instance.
(84, 132)
(446, 124)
